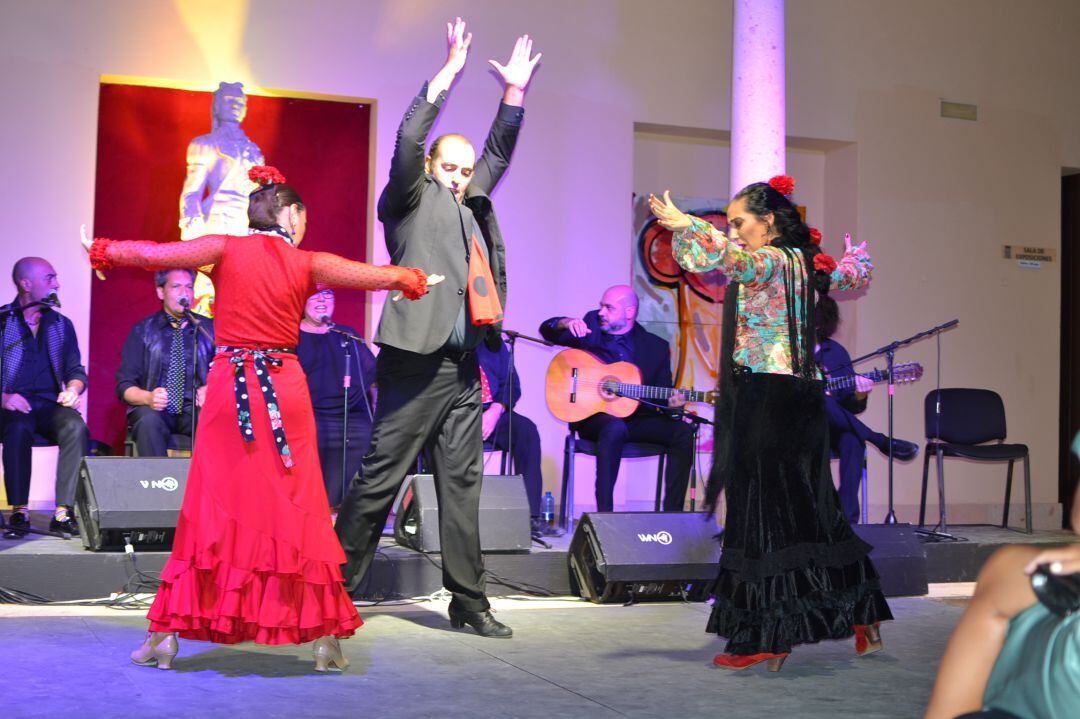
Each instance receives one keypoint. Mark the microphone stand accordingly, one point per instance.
(889, 351)
(511, 339)
(697, 422)
(349, 339)
(197, 329)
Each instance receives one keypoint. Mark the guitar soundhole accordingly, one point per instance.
(609, 388)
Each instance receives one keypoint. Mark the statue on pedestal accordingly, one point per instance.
(214, 199)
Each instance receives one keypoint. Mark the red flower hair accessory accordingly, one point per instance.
(783, 184)
(824, 263)
(815, 235)
(265, 175)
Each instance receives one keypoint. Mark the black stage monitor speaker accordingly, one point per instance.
(504, 514)
(136, 499)
(898, 556)
(632, 556)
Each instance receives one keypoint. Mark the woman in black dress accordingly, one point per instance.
(791, 570)
(327, 357)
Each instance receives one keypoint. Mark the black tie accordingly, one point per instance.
(176, 370)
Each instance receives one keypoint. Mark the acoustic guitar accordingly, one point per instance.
(904, 372)
(579, 385)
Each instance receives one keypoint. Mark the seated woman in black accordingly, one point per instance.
(327, 357)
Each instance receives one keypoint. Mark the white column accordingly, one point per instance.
(758, 124)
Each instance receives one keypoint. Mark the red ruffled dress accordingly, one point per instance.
(255, 556)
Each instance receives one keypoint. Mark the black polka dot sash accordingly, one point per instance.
(260, 359)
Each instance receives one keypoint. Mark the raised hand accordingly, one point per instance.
(519, 69)
(667, 214)
(86, 244)
(848, 249)
(457, 43)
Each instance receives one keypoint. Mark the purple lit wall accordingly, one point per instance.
(757, 92)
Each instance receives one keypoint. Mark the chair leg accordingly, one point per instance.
(1027, 494)
(865, 494)
(566, 506)
(925, 479)
(943, 524)
(1008, 496)
(659, 481)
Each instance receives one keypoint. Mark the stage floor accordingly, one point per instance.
(566, 659)
(58, 569)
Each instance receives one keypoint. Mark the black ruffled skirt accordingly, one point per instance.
(792, 571)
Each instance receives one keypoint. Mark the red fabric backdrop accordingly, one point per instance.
(321, 146)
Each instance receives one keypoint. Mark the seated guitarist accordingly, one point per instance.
(847, 434)
(613, 335)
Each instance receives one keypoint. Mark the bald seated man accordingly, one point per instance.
(42, 385)
(613, 335)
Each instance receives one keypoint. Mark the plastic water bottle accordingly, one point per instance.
(547, 509)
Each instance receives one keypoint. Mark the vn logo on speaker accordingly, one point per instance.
(658, 537)
(169, 484)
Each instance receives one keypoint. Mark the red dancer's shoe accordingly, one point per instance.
(744, 661)
(868, 639)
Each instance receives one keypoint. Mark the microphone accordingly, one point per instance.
(325, 320)
(51, 301)
(185, 303)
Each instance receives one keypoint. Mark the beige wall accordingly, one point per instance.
(935, 198)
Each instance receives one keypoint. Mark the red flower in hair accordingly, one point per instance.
(824, 263)
(783, 184)
(265, 175)
(815, 235)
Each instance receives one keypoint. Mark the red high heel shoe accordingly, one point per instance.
(737, 662)
(868, 639)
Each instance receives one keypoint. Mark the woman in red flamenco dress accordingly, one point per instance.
(255, 556)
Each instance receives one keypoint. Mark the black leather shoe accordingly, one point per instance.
(540, 528)
(17, 525)
(904, 450)
(68, 526)
(484, 624)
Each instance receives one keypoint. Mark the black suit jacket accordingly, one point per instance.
(651, 354)
(141, 358)
(61, 342)
(424, 228)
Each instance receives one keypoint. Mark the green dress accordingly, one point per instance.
(1037, 674)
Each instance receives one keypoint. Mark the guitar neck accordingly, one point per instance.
(646, 392)
(848, 381)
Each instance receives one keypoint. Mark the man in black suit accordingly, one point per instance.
(42, 386)
(848, 436)
(155, 377)
(613, 335)
(437, 213)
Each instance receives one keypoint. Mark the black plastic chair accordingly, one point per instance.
(179, 445)
(961, 423)
(575, 445)
(506, 462)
